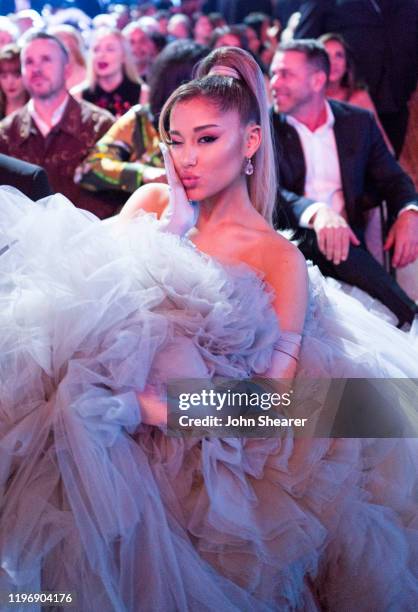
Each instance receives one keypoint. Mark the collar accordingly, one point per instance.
(56, 117)
(329, 121)
(70, 120)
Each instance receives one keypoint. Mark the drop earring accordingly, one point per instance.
(249, 168)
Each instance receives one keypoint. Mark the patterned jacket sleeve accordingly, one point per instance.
(120, 157)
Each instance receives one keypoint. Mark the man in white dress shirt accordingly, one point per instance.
(331, 156)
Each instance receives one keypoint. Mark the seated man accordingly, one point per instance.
(53, 129)
(29, 179)
(330, 155)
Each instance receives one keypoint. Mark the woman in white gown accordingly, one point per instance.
(96, 316)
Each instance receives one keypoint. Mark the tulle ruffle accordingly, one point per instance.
(93, 501)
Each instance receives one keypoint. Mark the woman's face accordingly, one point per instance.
(203, 30)
(108, 56)
(11, 82)
(253, 42)
(337, 57)
(207, 146)
(228, 40)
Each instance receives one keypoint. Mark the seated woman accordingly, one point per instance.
(343, 84)
(128, 155)
(131, 518)
(112, 81)
(13, 94)
(263, 36)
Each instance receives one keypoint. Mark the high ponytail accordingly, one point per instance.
(247, 95)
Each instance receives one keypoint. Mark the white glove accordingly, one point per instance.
(181, 214)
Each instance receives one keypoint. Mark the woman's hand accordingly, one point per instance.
(180, 215)
(153, 407)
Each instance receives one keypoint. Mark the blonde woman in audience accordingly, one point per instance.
(112, 81)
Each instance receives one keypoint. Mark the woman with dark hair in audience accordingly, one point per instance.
(162, 18)
(204, 25)
(112, 80)
(236, 36)
(13, 94)
(263, 36)
(229, 36)
(128, 155)
(343, 84)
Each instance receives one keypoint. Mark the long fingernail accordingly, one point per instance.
(163, 148)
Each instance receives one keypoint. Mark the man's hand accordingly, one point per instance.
(403, 236)
(334, 235)
(152, 174)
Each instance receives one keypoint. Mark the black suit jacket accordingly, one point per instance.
(30, 179)
(382, 36)
(366, 166)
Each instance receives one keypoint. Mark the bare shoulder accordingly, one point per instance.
(277, 259)
(282, 257)
(361, 98)
(286, 273)
(152, 198)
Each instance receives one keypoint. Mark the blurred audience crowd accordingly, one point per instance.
(82, 83)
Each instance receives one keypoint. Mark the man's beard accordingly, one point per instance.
(50, 92)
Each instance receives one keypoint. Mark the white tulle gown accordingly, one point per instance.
(93, 502)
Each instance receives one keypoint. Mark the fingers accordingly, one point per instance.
(353, 238)
(389, 240)
(403, 237)
(400, 254)
(406, 254)
(334, 243)
(333, 234)
(172, 176)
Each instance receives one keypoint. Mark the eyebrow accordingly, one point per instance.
(197, 129)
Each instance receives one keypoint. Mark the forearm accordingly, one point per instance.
(100, 172)
(384, 172)
(290, 209)
(282, 367)
(126, 157)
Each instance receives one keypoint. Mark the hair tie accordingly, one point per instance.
(227, 71)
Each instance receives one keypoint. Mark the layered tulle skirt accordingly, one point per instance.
(95, 502)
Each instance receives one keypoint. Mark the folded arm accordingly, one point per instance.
(287, 275)
(126, 157)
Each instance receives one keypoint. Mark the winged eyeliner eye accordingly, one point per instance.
(208, 139)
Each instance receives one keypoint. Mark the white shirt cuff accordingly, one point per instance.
(408, 207)
(308, 213)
